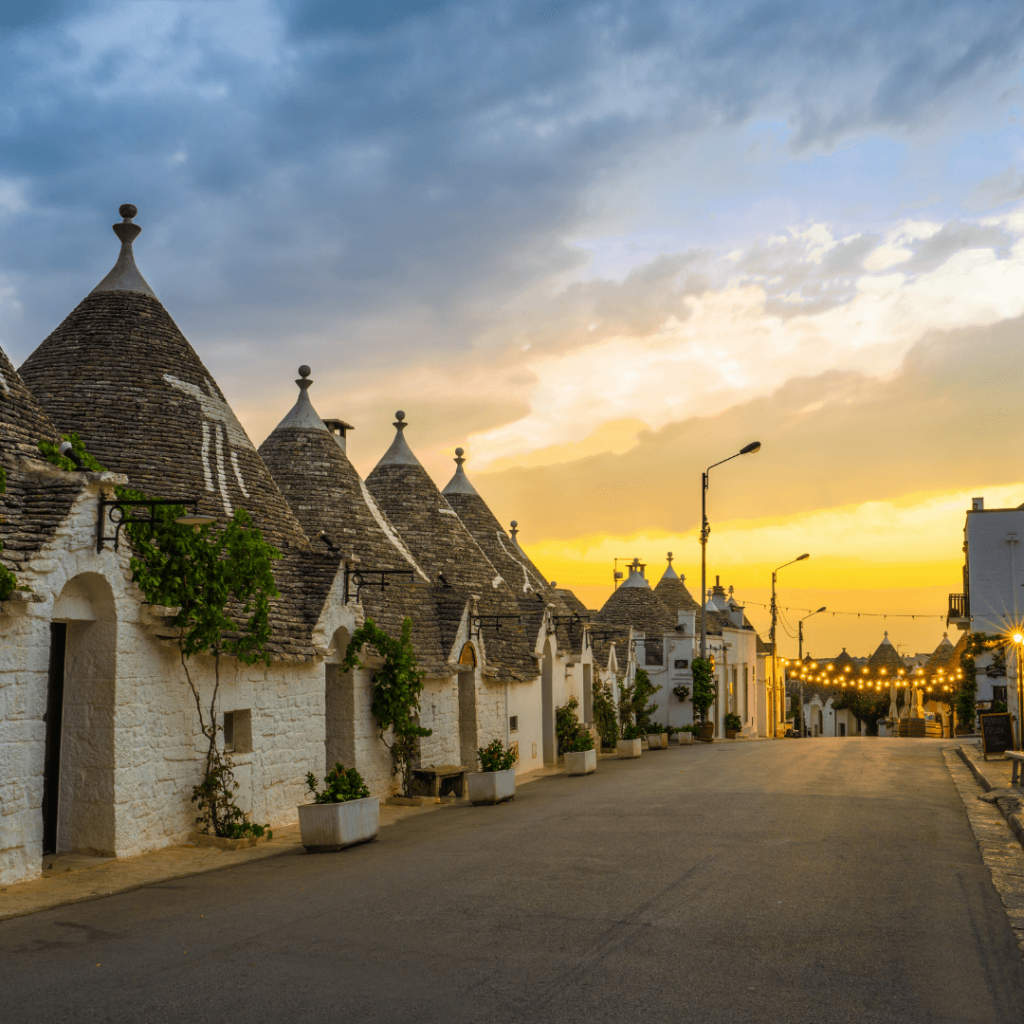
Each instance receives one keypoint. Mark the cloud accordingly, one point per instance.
(397, 173)
(796, 310)
(946, 419)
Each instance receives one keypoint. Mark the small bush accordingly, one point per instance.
(567, 725)
(340, 786)
(496, 757)
(605, 716)
(733, 722)
(631, 732)
(582, 741)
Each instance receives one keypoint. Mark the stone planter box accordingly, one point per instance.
(657, 741)
(707, 733)
(580, 762)
(329, 827)
(203, 839)
(684, 738)
(629, 748)
(492, 787)
(731, 734)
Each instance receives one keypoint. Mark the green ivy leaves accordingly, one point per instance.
(397, 686)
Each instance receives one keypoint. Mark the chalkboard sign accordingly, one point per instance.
(996, 734)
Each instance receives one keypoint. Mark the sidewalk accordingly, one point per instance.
(994, 777)
(73, 878)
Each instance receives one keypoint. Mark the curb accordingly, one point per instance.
(1009, 802)
(975, 770)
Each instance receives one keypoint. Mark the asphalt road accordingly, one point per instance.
(815, 880)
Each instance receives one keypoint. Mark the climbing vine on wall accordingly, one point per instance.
(966, 698)
(219, 580)
(397, 686)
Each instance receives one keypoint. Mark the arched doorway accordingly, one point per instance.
(588, 694)
(340, 708)
(547, 705)
(78, 779)
(468, 728)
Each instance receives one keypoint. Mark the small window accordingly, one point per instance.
(999, 693)
(513, 724)
(238, 731)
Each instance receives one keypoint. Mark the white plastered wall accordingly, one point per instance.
(149, 752)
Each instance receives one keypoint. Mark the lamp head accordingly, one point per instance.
(801, 558)
(754, 446)
(821, 609)
(1018, 638)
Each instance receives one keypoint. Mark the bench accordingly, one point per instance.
(440, 780)
(1018, 759)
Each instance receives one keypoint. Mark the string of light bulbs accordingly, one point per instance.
(881, 615)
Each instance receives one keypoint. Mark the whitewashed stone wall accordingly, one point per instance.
(132, 747)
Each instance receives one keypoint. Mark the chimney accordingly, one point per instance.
(977, 504)
(340, 429)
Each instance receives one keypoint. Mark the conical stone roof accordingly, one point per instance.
(531, 590)
(886, 657)
(446, 550)
(120, 373)
(337, 511)
(34, 504)
(940, 657)
(672, 592)
(634, 604)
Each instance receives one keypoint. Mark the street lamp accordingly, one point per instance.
(775, 616)
(705, 529)
(1018, 641)
(800, 634)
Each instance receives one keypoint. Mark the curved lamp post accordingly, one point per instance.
(800, 634)
(775, 617)
(705, 529)
(1018, 643)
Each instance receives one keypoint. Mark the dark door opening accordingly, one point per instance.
(54, 713)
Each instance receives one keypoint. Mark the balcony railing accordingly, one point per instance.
(959, 608)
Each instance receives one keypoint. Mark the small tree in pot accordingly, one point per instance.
(704, 696)
(496, 781)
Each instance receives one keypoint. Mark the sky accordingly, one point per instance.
(600, 246)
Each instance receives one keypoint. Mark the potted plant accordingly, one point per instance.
(704, 697)
(580, 755)
(496, 781)
(631, 744)
(733, 725)
(657, 736)
(685, 734)
(341, 815)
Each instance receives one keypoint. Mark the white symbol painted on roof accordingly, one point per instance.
(222, 433)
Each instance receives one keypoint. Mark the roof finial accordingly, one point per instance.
(304, 381)
(515, 531)
(670, 558)
(459, 483)
(125, 276)
(400, 423)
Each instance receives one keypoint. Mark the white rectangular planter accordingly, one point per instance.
(329, 827)
(684, 738)
(492, 787)
(581, 762)
(629, 748)
(657, 741)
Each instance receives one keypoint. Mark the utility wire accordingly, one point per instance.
(882, 615)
